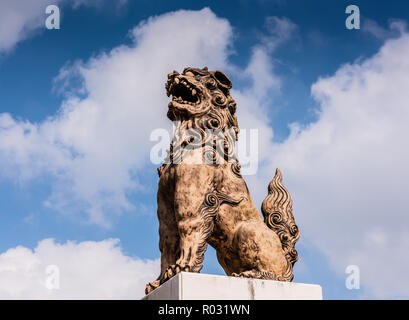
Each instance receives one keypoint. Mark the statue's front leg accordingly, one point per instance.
(192, 245)
(168, 244)
(193, 183)
(168, 231)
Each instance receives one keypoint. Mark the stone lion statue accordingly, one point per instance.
(203, 198)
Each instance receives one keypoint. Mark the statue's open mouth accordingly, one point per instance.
(184, 92)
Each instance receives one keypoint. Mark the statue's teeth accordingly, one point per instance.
(193, 92)
(177, 80)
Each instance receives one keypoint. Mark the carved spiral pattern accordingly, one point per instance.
(275, 218)
(211, 200)
(219, 99)
(236, 168)
(208, 211)
(210, 155)
(213, 121)
(278, 214)
(211, 84)
(294, 230)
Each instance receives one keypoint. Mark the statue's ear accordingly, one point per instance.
(222, 79)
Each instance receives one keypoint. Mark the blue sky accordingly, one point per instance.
(307, 41)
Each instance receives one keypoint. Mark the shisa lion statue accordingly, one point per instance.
(203, 198)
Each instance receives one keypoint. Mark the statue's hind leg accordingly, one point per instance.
(259, 252)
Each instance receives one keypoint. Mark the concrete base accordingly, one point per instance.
(197, 286)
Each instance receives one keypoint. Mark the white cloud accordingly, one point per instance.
(22, 18)
(348, 172)
(87, 270)
(256, 101)
(255, 104)
(94, 145)
(279, 31)
(396, 27)
(18, 19)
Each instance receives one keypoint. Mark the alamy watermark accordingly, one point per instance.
(53, 19)
(353, 280)
(217, 146)
(52, 281)
(353, 20)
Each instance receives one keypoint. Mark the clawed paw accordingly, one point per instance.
(248, 274)
(237, 275)
(170, 272)
(173, 270)
(152, 286)
(255, 274)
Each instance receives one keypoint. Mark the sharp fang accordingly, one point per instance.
(193, 92)
(177, 80)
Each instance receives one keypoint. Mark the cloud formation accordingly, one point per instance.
(396, 27)
(94, 146)
(21, 19)
(87, 270)
(348, 171)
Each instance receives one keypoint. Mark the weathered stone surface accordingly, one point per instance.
(203, 198)
(194, 286)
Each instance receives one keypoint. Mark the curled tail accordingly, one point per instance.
(277, 209)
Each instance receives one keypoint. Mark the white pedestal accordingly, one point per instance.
(197, 286)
